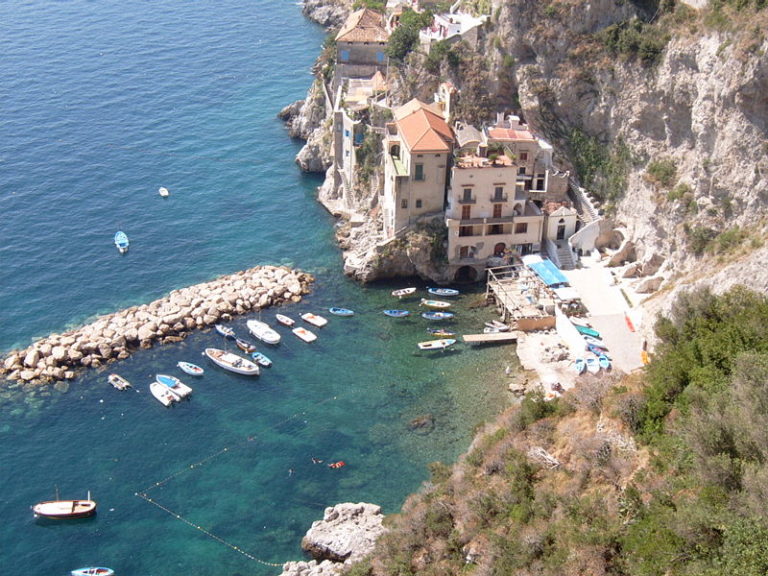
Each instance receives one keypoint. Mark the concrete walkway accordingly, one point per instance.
(608, 310)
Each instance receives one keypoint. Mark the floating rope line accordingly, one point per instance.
(208, 533)
(144, 495)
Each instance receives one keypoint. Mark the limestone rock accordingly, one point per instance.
(347, 532)
(312, 568)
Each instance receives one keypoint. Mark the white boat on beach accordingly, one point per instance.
(232, 362)
(162, 393)
(176, 386)
(304, 334)
(285, 320)
(314, 319)
(263, 332)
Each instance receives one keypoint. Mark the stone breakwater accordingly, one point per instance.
(169, 319)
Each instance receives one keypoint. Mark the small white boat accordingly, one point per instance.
(443, 292)
(176, 386)
(435, 304)
(162, 393)
(92, 571)
(593, 367)
(65, 508)
(261, 359)
(285, 320)
(225, 331)
(440, 344)
(119, 382)
(121, 242)
(191, 369)
(314, 319)
(341, 311)
(263, 332)
(304, 334)
(403, 292)
(497, 325)
(163, 191)
(232, 362)
(604, 362)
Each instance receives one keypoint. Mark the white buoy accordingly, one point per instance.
(163, 192)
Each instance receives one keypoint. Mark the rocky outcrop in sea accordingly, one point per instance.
(169, 319)
(346, 534)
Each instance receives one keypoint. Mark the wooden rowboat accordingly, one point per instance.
(232, 362)
(65, 508)
(403, 292)
(435, 303)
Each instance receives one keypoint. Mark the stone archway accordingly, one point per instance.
(465, 274)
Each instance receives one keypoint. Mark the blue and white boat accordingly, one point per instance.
(397, 313)
(580, 365)
(191, 369)
(176, 386)
(121, 241)
(225, 331)
(263, 331)
(604, 362)
(443, 291)
(595, 343)
(593, 366)
(440, 344)
(261, 359)
(341, 311)
(437, 315)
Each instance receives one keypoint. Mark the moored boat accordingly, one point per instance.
(244, 345)
(437, 315)
(232, 362)
(65, 508)
(261, 359)
(593, 367)
(341, 311)
(92, 571)
(225, 331)
(441, 332)
(402, 292)
(440, 344)
(304, 334)
(176, 386)
(604, 362)
(443, 291)
(314, 319)
(191, 369)
(397, 313)
(579, 365)
(285, 320)
(163, 191)
(121, 241)
(440, 304)
(263, 331)
(119, 382)
(162, 393)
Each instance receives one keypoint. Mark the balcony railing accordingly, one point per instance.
(467, 200)
(499, 197)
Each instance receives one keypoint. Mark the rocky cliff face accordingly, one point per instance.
(691, 121)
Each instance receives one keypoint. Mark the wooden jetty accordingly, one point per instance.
(494, 338)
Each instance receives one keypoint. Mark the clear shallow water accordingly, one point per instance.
(102, 104)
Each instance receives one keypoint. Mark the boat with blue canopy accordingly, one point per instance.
(121, 241)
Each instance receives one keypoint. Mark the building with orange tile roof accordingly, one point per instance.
(361, 46)
(417, 149)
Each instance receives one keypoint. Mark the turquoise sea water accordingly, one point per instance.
(102, 103)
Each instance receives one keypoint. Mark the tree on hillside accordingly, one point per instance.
(405, 37)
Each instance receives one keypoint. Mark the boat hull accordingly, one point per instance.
(232, 362)
(440, 344)
(92, 571)
(397, 313)
(304, 334)
(162, 394)
(439, 304)
(341, 311)
(176, 386)
(119, 382)
(403, 292)
(263, 332)
(437, 315)
(191, 369)
(314, 319)
(285, 320)
(65, 509)
(446, 292)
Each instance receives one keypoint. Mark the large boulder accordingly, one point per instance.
(347, 533)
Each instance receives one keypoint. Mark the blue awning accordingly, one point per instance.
(548, 272)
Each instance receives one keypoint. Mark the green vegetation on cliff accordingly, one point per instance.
(663, 473)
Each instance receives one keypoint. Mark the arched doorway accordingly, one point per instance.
(561, 229)
(465, 274)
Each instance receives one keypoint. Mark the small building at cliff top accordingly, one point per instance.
(417, 152)
(361, 46)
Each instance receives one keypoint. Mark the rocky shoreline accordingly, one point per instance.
(169, 319)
